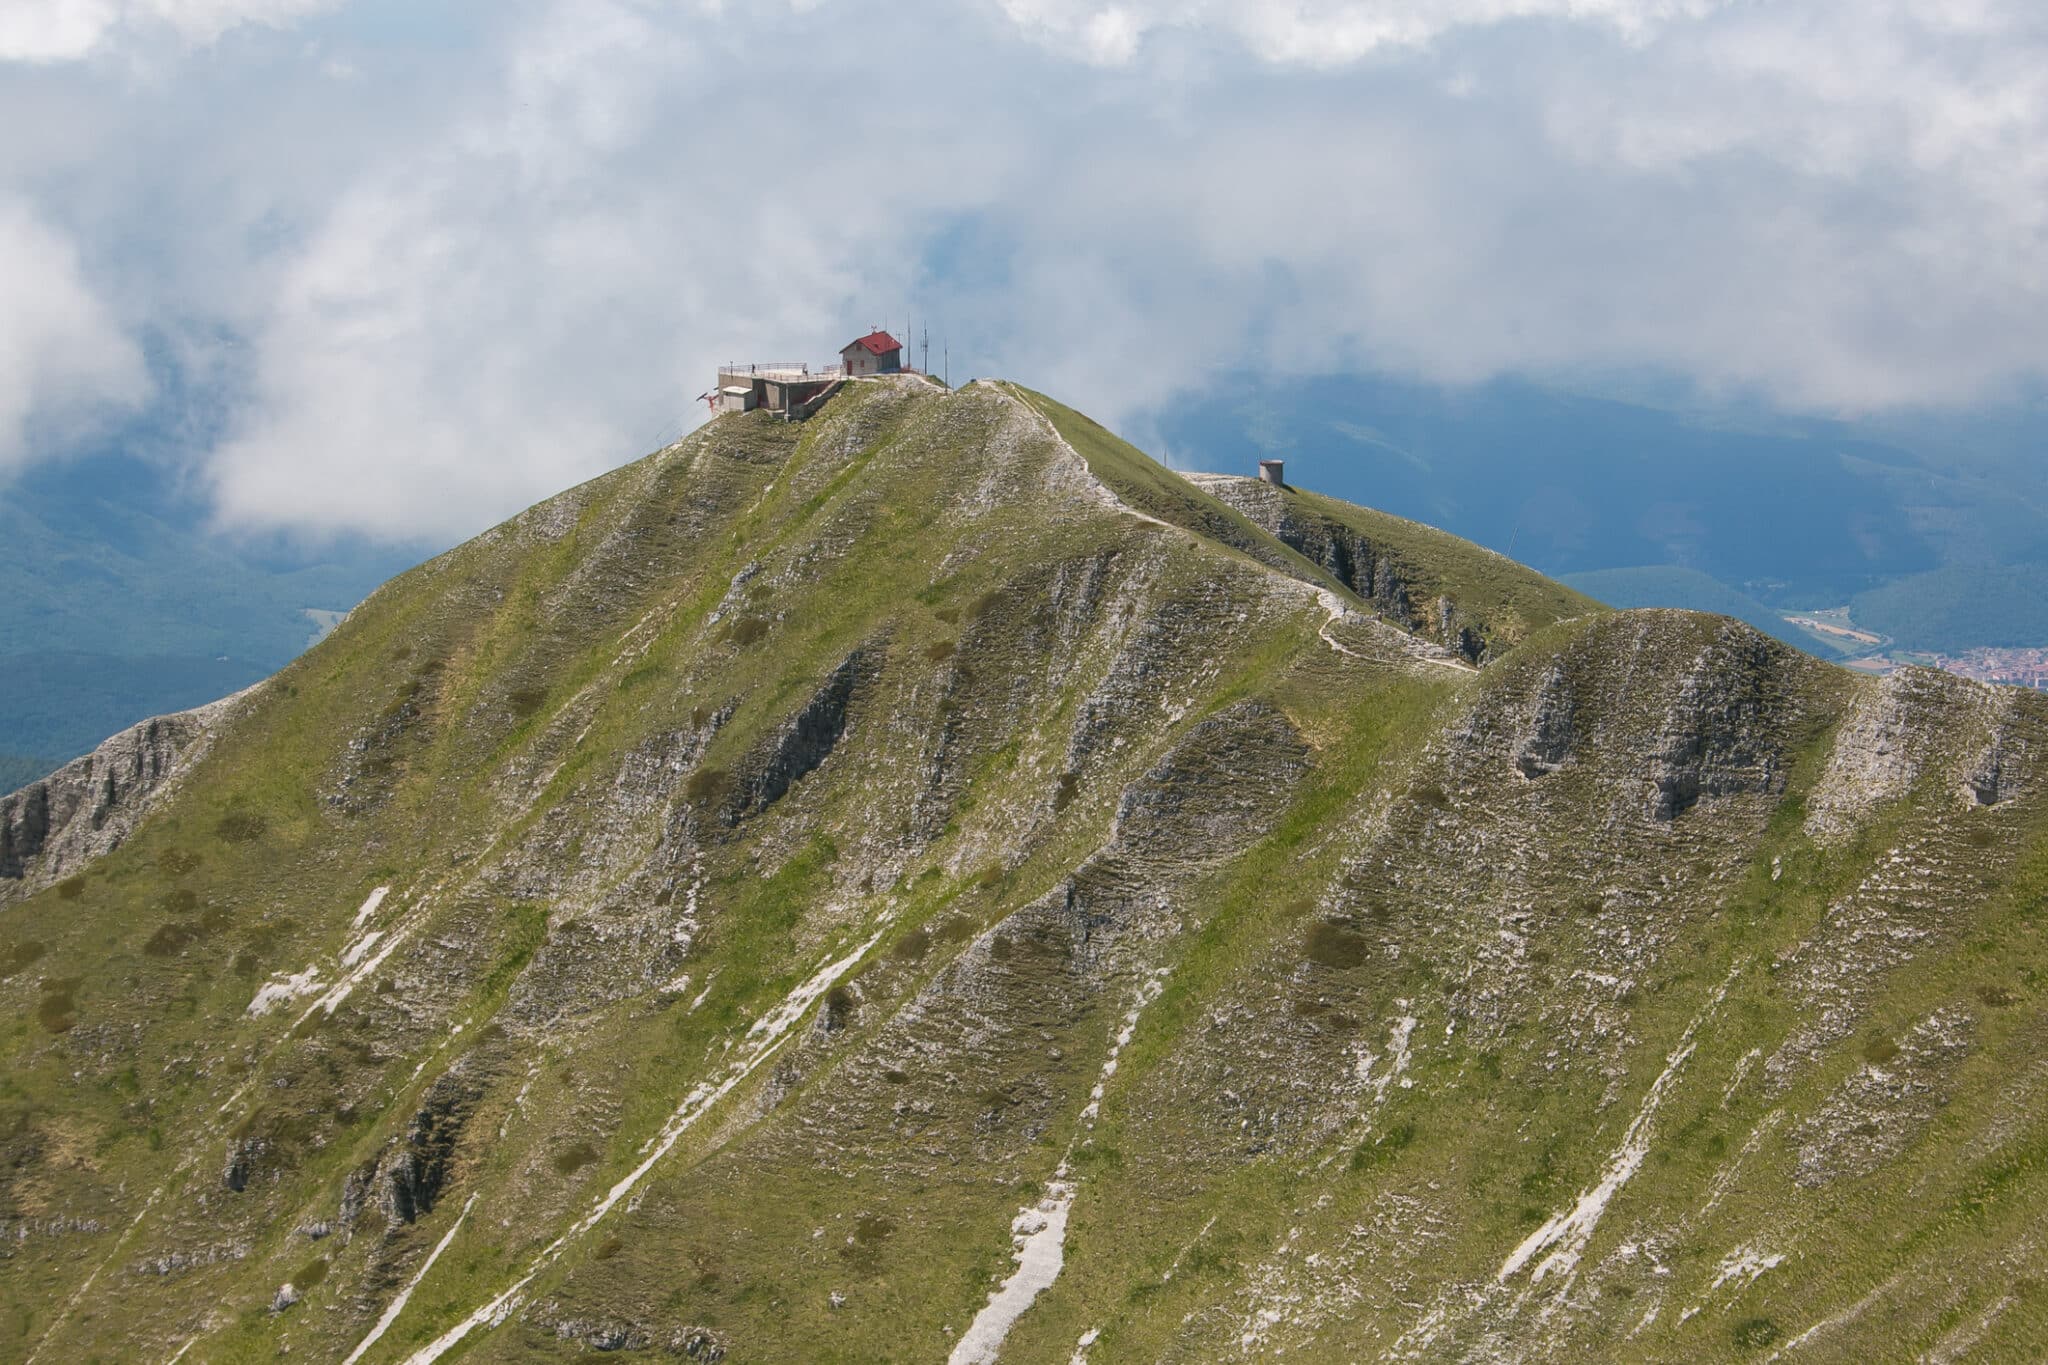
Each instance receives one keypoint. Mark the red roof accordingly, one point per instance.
(877, 343)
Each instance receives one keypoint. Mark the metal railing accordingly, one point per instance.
(780, 369)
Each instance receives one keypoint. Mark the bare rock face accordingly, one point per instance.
(694, 1343)
(1996, 776)
(1922, 727)
(54, 826)
(807, 740)
(1366, 567)
(407, 1179)
(1715, 740)
(244, 1157)
(603, 1335)
(1986, 781)
(1551, 727)
(1883, 745)
(1215, 791)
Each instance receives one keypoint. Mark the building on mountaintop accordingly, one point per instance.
(790, 388)
(875, 353)
(793, 388)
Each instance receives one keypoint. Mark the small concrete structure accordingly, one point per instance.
(1269, 470)
(795, 390)
(875, 353)
(791, 389)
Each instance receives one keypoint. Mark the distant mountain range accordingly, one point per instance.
(118, 601)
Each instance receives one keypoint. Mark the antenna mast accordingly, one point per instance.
(925, 364)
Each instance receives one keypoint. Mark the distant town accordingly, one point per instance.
(2014, 667)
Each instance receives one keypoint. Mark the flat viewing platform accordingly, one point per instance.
(781, 372)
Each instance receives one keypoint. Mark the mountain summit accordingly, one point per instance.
(929, 883)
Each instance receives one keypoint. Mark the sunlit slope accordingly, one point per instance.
(700, 917)
(1470, 599)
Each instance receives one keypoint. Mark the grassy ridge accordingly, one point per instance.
(1148, 487)
(1487, 586)
(1394, 959)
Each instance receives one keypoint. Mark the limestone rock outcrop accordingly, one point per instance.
(57, 824)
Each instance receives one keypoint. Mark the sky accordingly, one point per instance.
(419, 265)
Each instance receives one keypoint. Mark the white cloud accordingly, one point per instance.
(1317, 33)
(1837, 203)
(63, 358)
(69, 30)
(53, 30)
(539, 288)
(486, 264)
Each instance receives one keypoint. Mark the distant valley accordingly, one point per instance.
(119, 601)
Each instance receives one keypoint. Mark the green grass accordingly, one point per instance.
(1507, 600)
(1030, 813)
(1150, 488)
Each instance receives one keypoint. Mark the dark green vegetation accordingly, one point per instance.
(118, 601)
(1961, 607)
(693, 919)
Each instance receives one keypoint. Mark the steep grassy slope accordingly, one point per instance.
(716, 912)
(1468, 598)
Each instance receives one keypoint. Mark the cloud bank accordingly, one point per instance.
(63, 358)
(69, 30)
(441, 266)
(1318, 33)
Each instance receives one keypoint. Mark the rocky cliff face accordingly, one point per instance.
(62, 822)
(1397, 568)
(928, 883)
